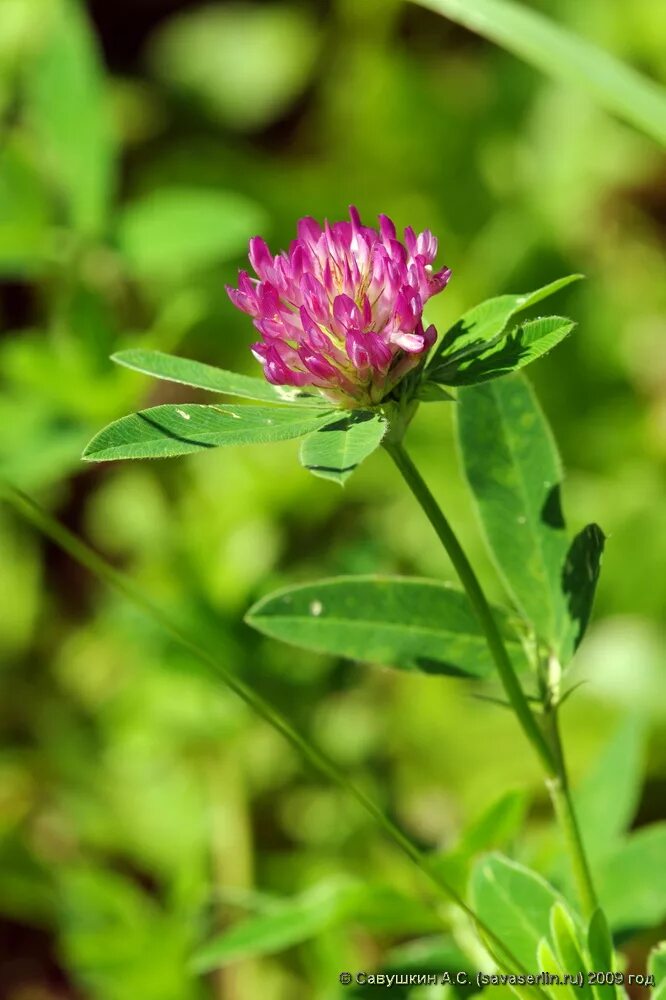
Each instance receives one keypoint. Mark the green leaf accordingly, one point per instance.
(67, 107)
(579, 581)
(202, 376)
(547, 962)
(482, 325)
(24, 211)
(410, 624)
(607, 797)
(514, 472)
(510, 353)
(335, 451)
(600, 950)
(494, 829)
(245, 63)
(169, 430)
(569, 952)
(289, 923)
(657, 964)
(564, 56)
(632, 883)
(172, 232)
(516, 903)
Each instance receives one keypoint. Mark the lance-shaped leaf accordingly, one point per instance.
(563, 55)
(67, 107)
(283, 925)
(516, 903)
(202, 376)
(410, 624)
(170, 430)
(514, 471)
(336, 450)
(514, 350)
(481, 326)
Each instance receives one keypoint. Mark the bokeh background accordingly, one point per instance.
(142, 143)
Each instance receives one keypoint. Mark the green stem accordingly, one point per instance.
(548, 752)
(560, 795)
(477, 598)
(88, 558)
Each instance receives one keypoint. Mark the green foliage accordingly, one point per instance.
(405, 623)
(632, 882)
(201, 376)
(69, 113)
(607, 797)
(172, 232)
(565, 56)
(516, 903)
(335, 451)
(475, 344)
(169, 430)
(514, 472)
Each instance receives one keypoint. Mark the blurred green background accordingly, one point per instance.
(142, 143)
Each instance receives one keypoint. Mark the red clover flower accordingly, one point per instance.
(342, 311)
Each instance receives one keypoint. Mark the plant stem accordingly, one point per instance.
(563, 807)
(88, 558)
(549, 752)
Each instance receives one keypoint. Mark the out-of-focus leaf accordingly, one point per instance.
(565, 56)
(170, 430)
(24, 211)
(481, 326)
(515, 902)
(514, 472)
(117, 941)
(287, 924)
(67, 107)
(608, 795)
(657, 964)
(186, 372)
(493, 830)
(410, 624)
(632, 883)
(175, 231)
(337, 450)
(512, 352)
(568, 948)
(246, 63)
(600, 950)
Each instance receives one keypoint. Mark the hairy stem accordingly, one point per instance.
(549, 751)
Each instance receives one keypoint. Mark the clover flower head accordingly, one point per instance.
(342, 311)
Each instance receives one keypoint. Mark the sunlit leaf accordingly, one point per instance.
(514, 472)
(482, 325)
(511, 352)
(202, 376)
(335, 451)
(409, 624)
(170, 430)
(516, 903)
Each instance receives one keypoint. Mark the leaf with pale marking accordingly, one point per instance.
(410, 624)
(170, 430)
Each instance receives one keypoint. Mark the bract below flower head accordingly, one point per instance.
(342, 311)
